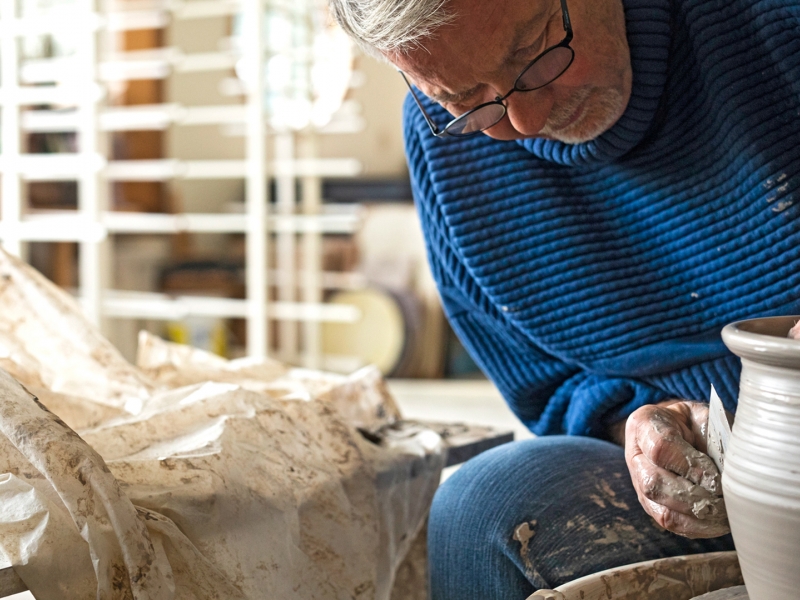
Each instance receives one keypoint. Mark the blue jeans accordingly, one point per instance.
(539, 513)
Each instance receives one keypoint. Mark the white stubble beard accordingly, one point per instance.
(604, 106)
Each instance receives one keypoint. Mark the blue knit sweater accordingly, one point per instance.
(588, 280)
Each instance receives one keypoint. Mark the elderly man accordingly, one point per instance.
(630, 190)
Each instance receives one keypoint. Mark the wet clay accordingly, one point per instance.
(735, 593)
(701, 489)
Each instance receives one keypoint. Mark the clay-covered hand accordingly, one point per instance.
(677, 483)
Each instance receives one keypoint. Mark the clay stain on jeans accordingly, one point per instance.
(608, 495)
(523, 534)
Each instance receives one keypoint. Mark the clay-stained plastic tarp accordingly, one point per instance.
(192, 476)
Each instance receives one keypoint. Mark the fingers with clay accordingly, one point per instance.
(677, 483)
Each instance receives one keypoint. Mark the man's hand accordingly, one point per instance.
(677, 483)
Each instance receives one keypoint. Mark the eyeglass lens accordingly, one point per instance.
(478, 119)
(548, 67)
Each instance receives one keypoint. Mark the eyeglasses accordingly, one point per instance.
(541, 71)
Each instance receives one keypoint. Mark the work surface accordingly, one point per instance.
(465, 400)
(473, 401)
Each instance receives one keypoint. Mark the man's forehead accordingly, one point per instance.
(420, 64)
(483, 37)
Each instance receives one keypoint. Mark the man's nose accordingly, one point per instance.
(527, 112)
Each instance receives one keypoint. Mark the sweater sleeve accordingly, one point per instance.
(547, 395)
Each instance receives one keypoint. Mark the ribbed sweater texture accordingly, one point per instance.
(588, 280)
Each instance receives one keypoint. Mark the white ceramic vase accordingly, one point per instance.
(761, 481)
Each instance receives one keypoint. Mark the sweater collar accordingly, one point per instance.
(648, 29)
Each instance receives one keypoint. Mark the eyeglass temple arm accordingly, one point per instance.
(431, 124)
(567, 22)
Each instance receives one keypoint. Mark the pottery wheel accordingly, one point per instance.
(735, 593)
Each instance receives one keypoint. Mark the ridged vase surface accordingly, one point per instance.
(761, 480)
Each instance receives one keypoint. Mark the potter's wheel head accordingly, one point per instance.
(764, 341)
(736, 593)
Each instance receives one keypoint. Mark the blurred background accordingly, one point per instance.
(223, 173)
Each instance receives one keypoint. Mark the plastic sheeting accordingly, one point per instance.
(192, 476)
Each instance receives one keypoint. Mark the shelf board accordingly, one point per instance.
(71, 226)
(120, 223)
(152, 117)
(52, 167)
(71, 166)
(147, 305)
(62, 94)
(128, 66)
(78, 21)
(164, 169)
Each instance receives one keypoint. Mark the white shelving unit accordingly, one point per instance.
(77, 86)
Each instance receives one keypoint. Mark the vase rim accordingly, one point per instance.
(764, 340)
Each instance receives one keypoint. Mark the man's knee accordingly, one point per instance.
(494, 487)
(490, 520)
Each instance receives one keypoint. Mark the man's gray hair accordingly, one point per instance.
(388, 26)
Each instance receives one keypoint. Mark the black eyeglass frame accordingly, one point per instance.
(500, 99)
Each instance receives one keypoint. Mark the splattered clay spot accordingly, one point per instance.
(523, 534)
(611, 496)
(597, 500)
